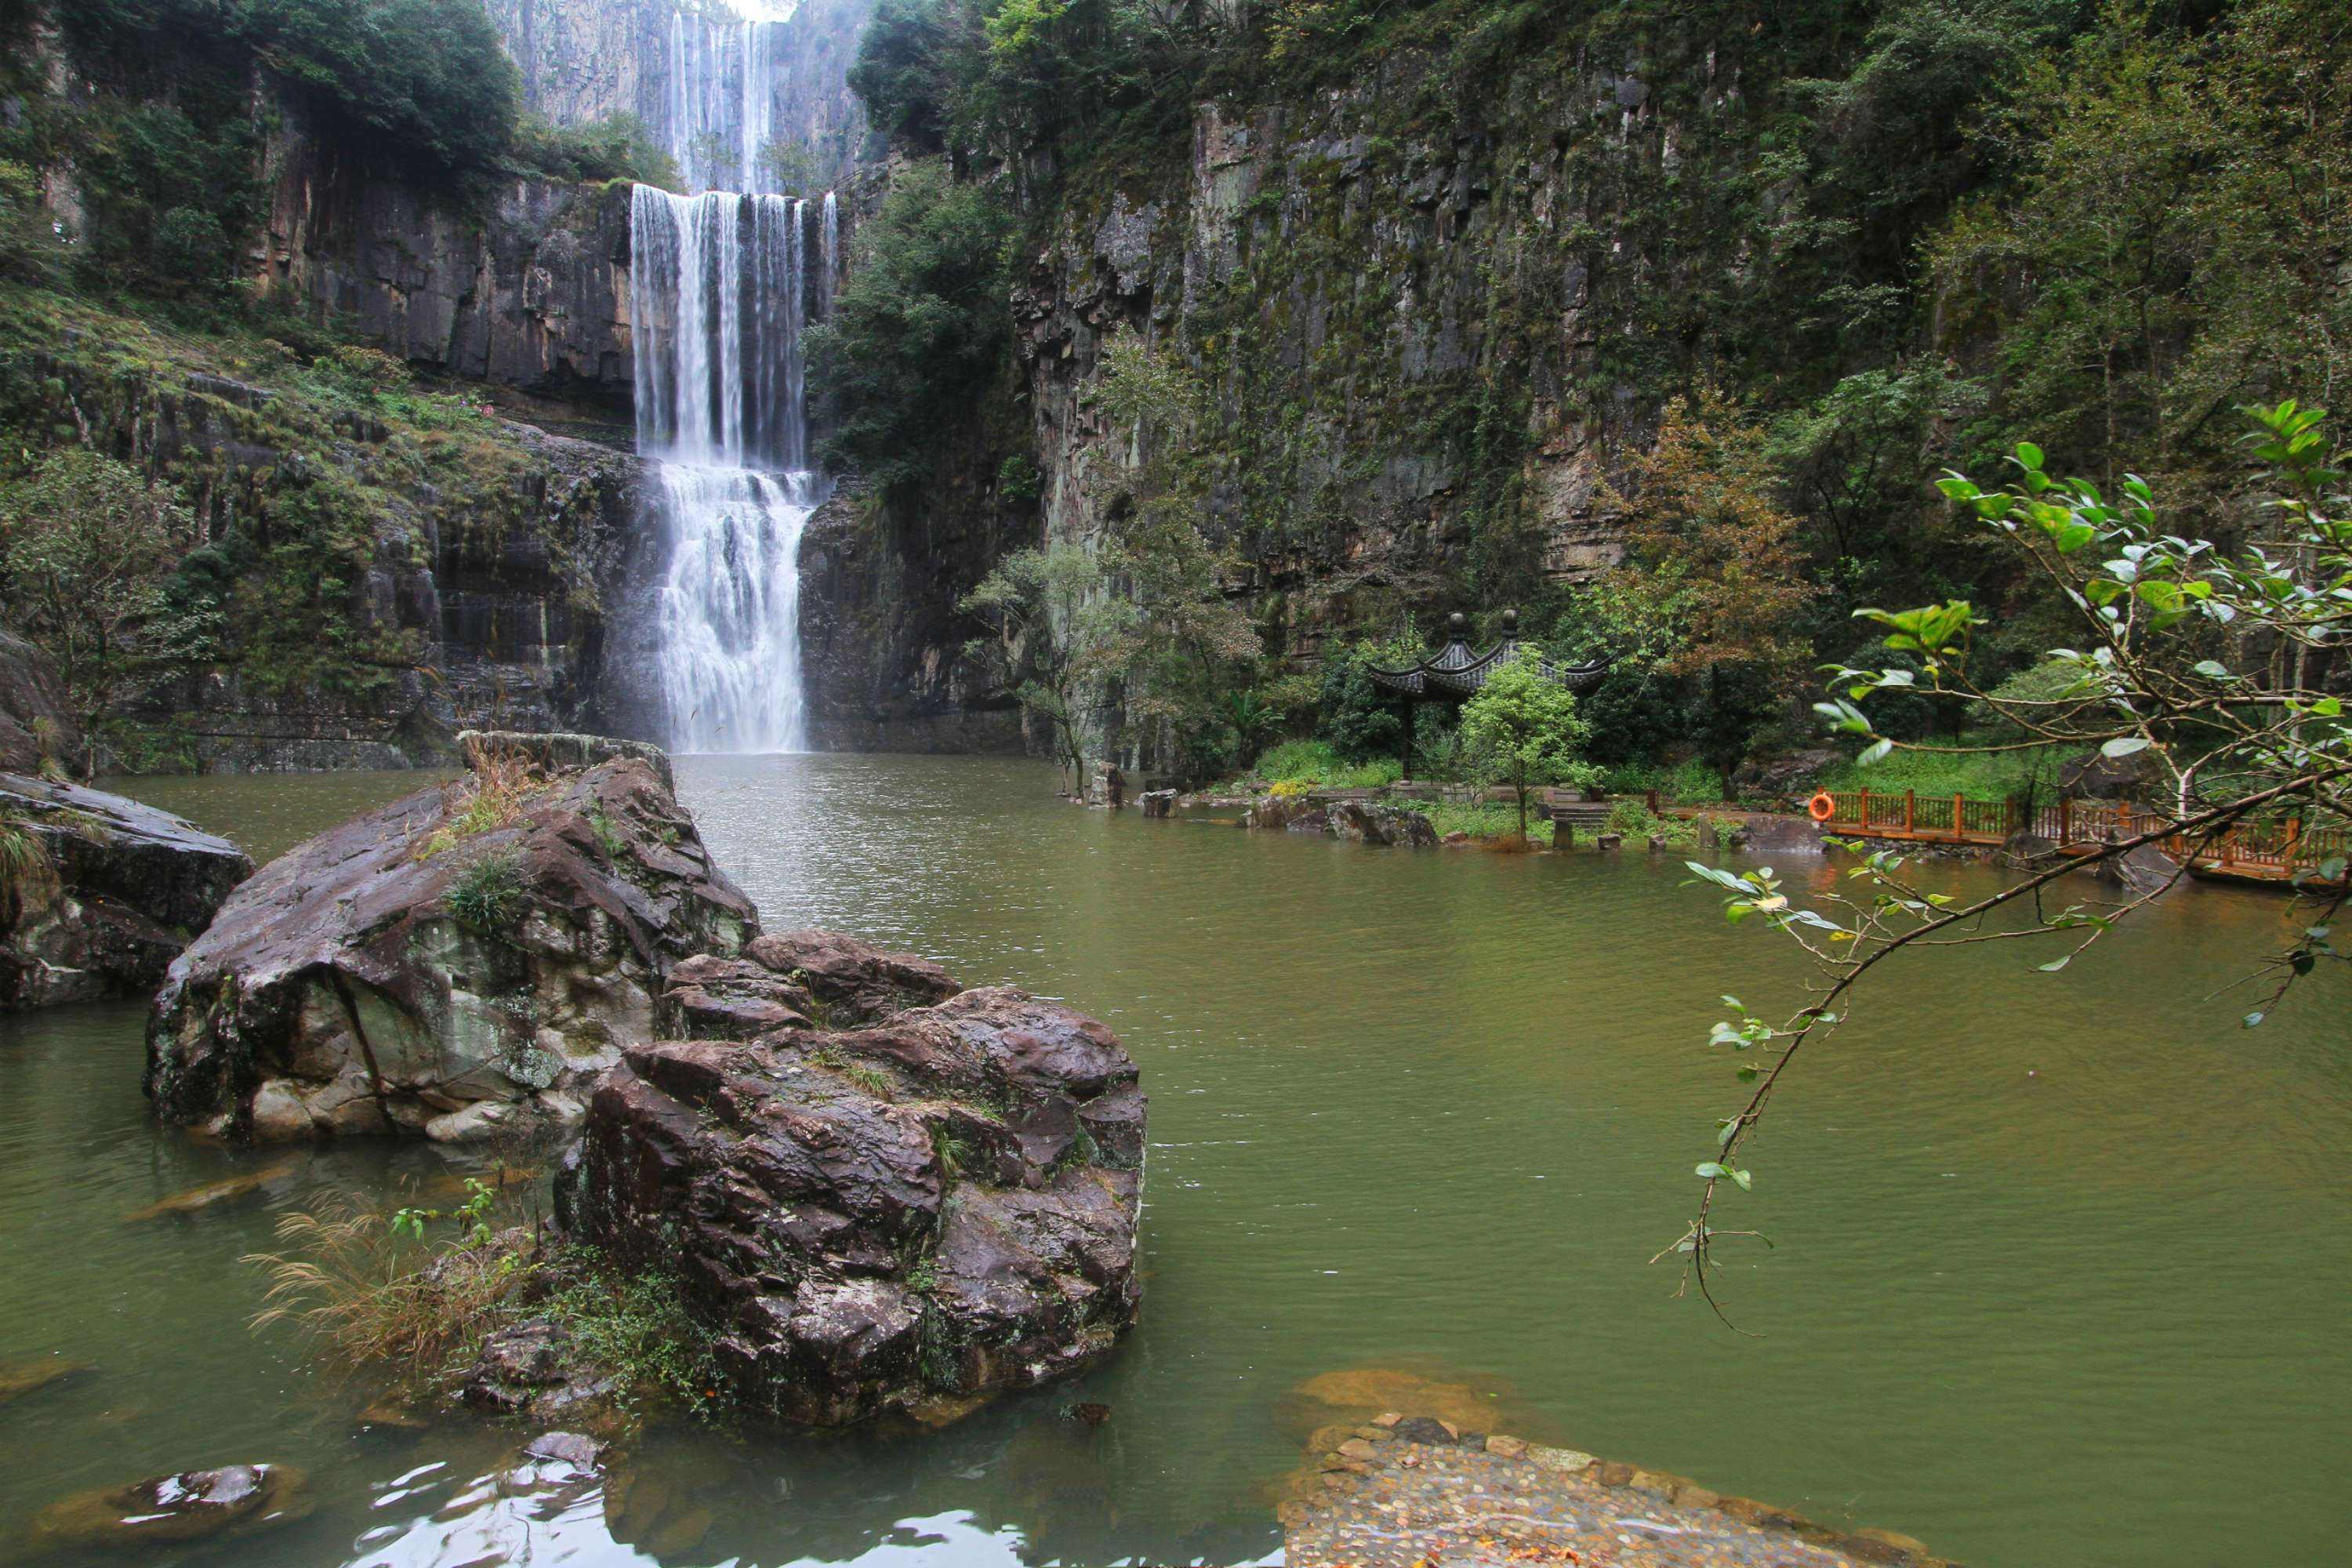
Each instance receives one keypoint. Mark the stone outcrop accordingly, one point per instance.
(1358, 821)
(465, 957)
(533, 294)
(38, 733)
(882, 643)
(99, 893)
(1368, 822)
(935, 1205)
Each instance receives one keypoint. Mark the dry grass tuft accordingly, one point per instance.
(497, 786)
(348, 1283)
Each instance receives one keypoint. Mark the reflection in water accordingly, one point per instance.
(2051, 1288)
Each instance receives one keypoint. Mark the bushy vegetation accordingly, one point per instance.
(920, 327)
(1918, 231)
(420, 84)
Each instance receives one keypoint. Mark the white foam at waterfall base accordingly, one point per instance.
(729, 607)
(718, 285)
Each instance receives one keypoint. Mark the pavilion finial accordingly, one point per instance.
(1510, 623)
(1457, 625)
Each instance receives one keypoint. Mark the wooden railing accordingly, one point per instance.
(2270, 850)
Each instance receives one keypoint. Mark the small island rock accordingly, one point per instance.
(941, 1203)
(476, 951)
(98, 893)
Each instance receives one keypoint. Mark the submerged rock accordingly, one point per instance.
(213, 1194)
(942, 1203)
(98, 893)
(172, 1511)
(20, 1378)
(460, 959)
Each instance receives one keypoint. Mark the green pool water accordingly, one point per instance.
(2055, 1283)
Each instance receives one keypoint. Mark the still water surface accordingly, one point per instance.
(2054, 1285)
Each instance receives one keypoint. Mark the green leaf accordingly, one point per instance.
(2055, 964)
(1711, 1169)
(2029, 456)
(2251, 1020)
(2124, 746)
(1877, 751)
(2212, 670)
(1742, 1178)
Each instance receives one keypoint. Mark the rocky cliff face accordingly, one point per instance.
(1427, 319)
(1404, 332)
(881, 643)
(457, 578)
(533, 294)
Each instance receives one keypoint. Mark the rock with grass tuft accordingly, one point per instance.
(935, 1206)
(460, 960)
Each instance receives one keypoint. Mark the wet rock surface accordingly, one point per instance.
(1404, 1491)
(450, 964)
(939, 1202)
(109, 893)
(176, 1510)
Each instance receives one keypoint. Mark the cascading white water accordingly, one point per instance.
(719, 292)
(722, 93)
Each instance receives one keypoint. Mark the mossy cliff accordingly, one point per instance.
(382, 565)
(1437, 271)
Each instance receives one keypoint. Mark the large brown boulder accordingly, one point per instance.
(98, 893)
(939, 1206)
(475, 952)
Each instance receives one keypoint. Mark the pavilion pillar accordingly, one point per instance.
(1404, 746)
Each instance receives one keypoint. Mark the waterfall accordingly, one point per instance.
(722, 84)
(719, 287)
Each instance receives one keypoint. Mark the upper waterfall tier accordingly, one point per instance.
(720, 286)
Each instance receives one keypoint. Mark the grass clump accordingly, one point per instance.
(497, 786)
(363, 1286)
(24, 859)
(352, 1282)
(488, 894)
(635, 1325)
(1314, 762)
(1479, 819)
(1632, 816)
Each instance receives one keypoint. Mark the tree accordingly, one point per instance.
(2215, 669)
(919, 329)
(1190, 652)
(1522, 730)
(1059, 633)
(85, 546)
(1717, 560)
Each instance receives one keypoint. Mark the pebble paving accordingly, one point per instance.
(1414, 1493)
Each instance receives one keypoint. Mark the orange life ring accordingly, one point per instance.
(1823, 807)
